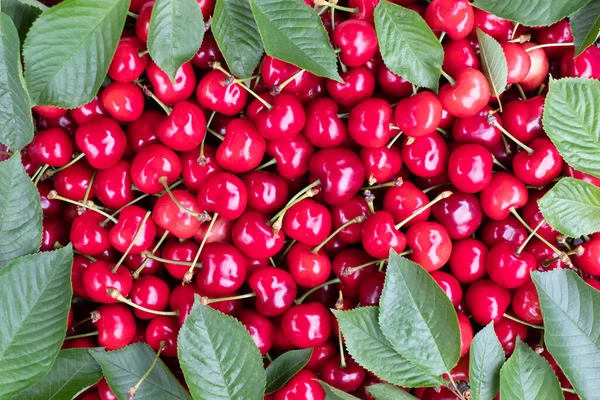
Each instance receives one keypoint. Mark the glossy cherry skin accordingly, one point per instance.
(152, 163)
(267, 191)
(470, 168)
(102, 141)
(207, 53)
(284, 120)
(358, 41)
(141, 133)
(380, 235)
(455, 17)
(123, 101)
(589, 261)
(195, 170)
(542, 166)
(526, 304)
(169, 216)
(51, 146)
(275, 290)
(369, 123)
(292, 155)
(468, 260)
(340, 172)
(401, 201)
(341, 214)
(142, 24)
(307, 268)
(497, 27)
(582, 176)
(468, 96)
(523, 118)
(370, 290)
(477, 129)
(80, 263)
(50, 207)
(98, 277)
(466, 333)
(53, 232)
(303, 386)
(449, 285)
(425, 156)
(319, 355)
(507, 332)
(225, 194)
(508, 229)
(307, 325)
(50, 111)
(89, 111)
(112, 186)
(519, 62)
(88, 235)
(323, 127)
(223, 269)
(212, 95)
(184, 128)
(163, 328)
(391, 84)
(260, 328)
(538, 72)
(504, 192)
(243, 147)
(349, 258)
(169, 92)
(346, 378)
(308, 222)
(585, 65)
(460, 214)
(358, 85)
(149, 292)
(178, 251)
(559, 32)
(507, 268)
(533, 216)
(128, 227)
(115, 325)
(487, 301)
(127, 65)
(458, 55)
(418, 115)
(274, 72)
(430, 243)
(182, 300)
(253, 237)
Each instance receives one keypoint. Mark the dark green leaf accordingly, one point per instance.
(291, 31)
(69, 48)
(571, 114)
(572, 327)
(486, 359)
(21, 14)
(531, 12)
(237, 36)
(285, 367)
(175, 34)
(417, 317)
(221, 348)
(73, 371)
(123, 369)
(35, 297)
(385, 391)
(332, 393)
(368, 347)
(16, 124)
(572, 207)
(585, 25)
(408, 46)
(493, 62)
(20, 212)
(527, 375)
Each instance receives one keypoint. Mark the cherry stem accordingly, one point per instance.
(494, 122)
(132, 15)
(51, 173)
(442, 36)
(95, 333)
(132, 202)
(115, 294)
(439, 197)
(454, 388)
(343, 115)
(135, 238)
(562, 239)
(439, 185)
(166, 260)
(143, 53)
(41, 174)
(514, 31)
(89, 205)
(443, 131)
(89, 188)
(293, 200)
(149, 93)
(336, 7)
(206, 301)
(576, 252)
(341, 344)
(508, 316)
(138, 271)
(499, 164)
(355, 220)
(231, 79)
(240, 80)
(568, 390)
(187, 278)
(586, 238)
(541, 46)
(521, 91)
(369, 198)
(541, 89)
(278, 88)
(347, 271)
(134, 388)
(532, 234)
(201, 158)
(84, 255)
(524, 38)
(215, 133)
(547, 243)
(448, 78)
(272, 161)
(6, 153)
(200, 216)
(287, 250)
(391, 143)
(396, 182)
(312, 290)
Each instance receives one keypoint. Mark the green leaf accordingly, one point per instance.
(280, 371)
(291, 31)
(408, 46)
(527, 375)
(572, 327)
(493, 62)
(20, 212)
(16, 124)
(21, 14)
(531, 12)
(572, 207)
(368, 347)
(486, 359)
(237, 36)
(332, 393)
(585, 25)
(385, 391)
(35, 297)
(175, 34)
(69, 48)
(73, 370)
(221, 348)
(571, 114)
(417, 317)
(123, 369)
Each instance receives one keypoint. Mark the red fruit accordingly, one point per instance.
(523, 118)
(460, 214)
(170, 92)
(508, 229)
(195, 170)
(307, 222)
(540, 167)
(497, 27)
(469, 95)
(589, 260)
(123, 101)
(319, 355)
(507, 268)
(370, 290)
(127, 65)
(477, 129)
(178, 251)
(88, 234)
(358, 85)
(582, 176)
(182, 300)
(50, 111)
(323, 127)
(274, 72)
(53, 232)
(267, 191)
(89, 111)
(80, 263)
(585, 65)
(355, 207)
(142, 24)
(468, 260)
(151, 164)
(292, 155)
(303, 386)
(223, 269)
(358, 41)
(141, 133)
(255, 238)
(369, 123)
(504, 192)
(127, 228)
(173, 218)
(487, 301)
(212, 95)
(98, 277)
(275, 290)
(50, 207)
(507, 331)
(115, 325)
(391, 84)
(149, 292)
(401, 201)
(51, 146)
(458, 55)
(419, 115)
(559, 32)
(163, 328)
(526, 304)
(538, 72)
(307, 268)
(466, 333)
(347, 378)
(431, 245)
(340, 172)
(425, 156)
(260, 328)
(307, 325)
(112, 185)
(184, 128)
(284, 120)
(519, 62)
(449, 285)
(455, 17)
(380, 235)
(102, 141)
(225, 194)
(208, 52)
(470, 168)
(243, 147)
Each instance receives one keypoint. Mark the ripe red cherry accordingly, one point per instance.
(347, 378)
(343, 265)
(559, 32)
(460, 214)
(53, 232)
(358, 41)
(425, 156)
(358, 85)
(469, 95)
(466, 333)
(182, 300)
(419, 115)
(51, 146)
(307, 268)
(380, 235)
(340, 172)
(308, 222)
(253, 237)
(307, 325)
(50, 207)
(73, 182)
(275, 290)
(223, 269)
(225, 194)
(142, 24)
(89, 111)
(102, 141)
(508, 229)
(507, 332)
(98, 277)
(112, 185)
(585, 65)
(391, 84)
(430, 243)
(523, 118)
(50, 111)
(323, 127)
(127, 65)
(267, 191)
(470, 168)
(260, 328)
(123, 101)
(208, 52)
(526, 304)
(141, 133)
(243, 147)
(507, 268)
(184, 128)
(455, 17)
(115, 325)
(355, 207)
(449, 285)
(319, 355)
(487, 301)
(543, 256)
(519, 62)
(468, 260)
(274, 72)
(458, 55)
(169, 92)
(149, 292)
(88, 235)
(292, 155)
(497, 27)
(477, 129)
(589, 260)
(284, 120)
(129, 226)
(582, 176)
(369, 123)
(504, 192)
(163, 328)
(538, 72)
(401, 201)
(540, 167)
(195, 170)
(151, 267)
(302, 386)
(212, 95)
(370, 290)
(152, 163)
(178, 251)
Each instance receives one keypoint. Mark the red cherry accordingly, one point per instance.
(182, 300)
(149, 292)
(469, 95)
(170, 92)
(98, 277)
(307, 222)
(172, 217)
(431, 245)
(255, 238)
(344, 264)
(498, 28)
(260, 328)
(302, 386)
(523, 118)
(369, 123)
(538, 72)
(123, 101)
(358, 85)
(212, 95)
(89, 111)
(365, 9)
(141, 133)
(88, 234)
(307, 325)
(323, 127)
(292, 155)
(533, 216)
(468, 260)
(267, 191)
(477, 129)
(470, 168)
(559, 32)
(128, 227)
(582, 176)
(223, 269)
(163, 328)
(151, 164)
(243, 147)
(307, 268)
(208, 53)
(340, 172)
(225, 194)
(508, 268)
(401, 201)
(419, 115)
(508, 229)
(142, 24)
(284, 120)
(151, 267)
(382, 163)
(50, 207)
(507, 332)
(504, 192)
(585, 65)
(460, 214)
(589, 260)
(178, 251)
(358, 41)
(127, 65)
(370, 290)
(275, 290)
(53, 232)
(391, 84)
(544, 256)
(102, 141)
(449, 285)
(207, 7)
(112, 185)
(455, 17)
(115, 325)
(50, 111)
(347, 378)
(466, 333)
(458, 55)
(80, 263)
(355, 207)
(195, 170)
(487, 301)
(319, 355)
(380, 235)
(519, 62)
(526, 304)
(184, 128)
(274, 72)
(540, 167)
(51, 146)
(425, 156)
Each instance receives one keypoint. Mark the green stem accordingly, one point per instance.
(341, 344)
(335, 6)
(215, 134)
(508, 316)
(396, 182)
(166, 260)
(293, 201)
(53, 195)
(391, 143)
(73, 161)
(541, 46)
(114, 293)
(149, 93)
(42, 172)
(356, 220)
(95, 333)
(312, 290)
(132, 15)
(439, 197)
(521, 91)
(135, 237)
(190, 272)
(207, 301)
(547, 243)
(448, 78)
(134, 388)
(272, 161)
(495, 123)
(217, 66)
(532, 234)
(138, 271)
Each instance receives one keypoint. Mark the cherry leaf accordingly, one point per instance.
(280, 371)
(532, 12)
(486, 359)
(385, 391)
(21, 14)
(493, 63)
(585, 25)
(332, 393)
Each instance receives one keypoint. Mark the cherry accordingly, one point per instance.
(468, 260)
(526, 304)
(172, 217)
(323, 127)
(430, 243)
(267, 191)
(523, 118)
(419, 115)
(582, 176)
(50, 207)
(50, 111)
(546, 259)
(487, 301)
(133, 262)
(401, 201)
(340, 172)
(53, 232)
(177, 250)
(589, 260)
(163, 329)
(260, 328)
(207, 7)
(255, 238)
(99, 276)
(458, 55)
(508, 229)
(460, 214)
(130, 227)
(182, 300)
(184, 128)
(504, 192)
(307, 222)
(541, 166)
(275, 72)
(455, 17)
(89, 111)
(196, 168)
(88, 235)
(593, 283)
(478, 130)
(275, 290)
(283, 120)
(225, 194)
(352, 266)
(116, 326)
(303, 386)
(319, 355)
(208, 53)
(466, 333)
(585, 65)
(346, 377)
(309, 269)
(538, 70)
(507, 332)
(498, 28)
(369, 121)
(292, 156)
(243, 147)
(127, 65)
(470, 168)
(51, 146)
(380, 235)
(519, 62)
(370, 290)
(149, 292)
(112, 185)
(509, 267)
(533, 217)
(80, 263)
(425, 156)
(469, 95)
(559, 32)
(212, 95)
(449, 285)
(102, 141)
(307, 325)
(152, 163)
(172, 92)
(123, 101)
(357, 40)
(141, 133)
(355, 207)
(223, 269)
(142, 24)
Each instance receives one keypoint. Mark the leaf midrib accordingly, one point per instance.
(69, 380)
(4, 205)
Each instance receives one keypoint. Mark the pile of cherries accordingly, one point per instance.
(276, 208)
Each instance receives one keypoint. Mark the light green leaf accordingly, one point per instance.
(175, 34)
(531, 12)
(585, 25)
(20, 212)
(368, 347)
(21, 14)
(73, 371)
(385, 391)
(486, 359)
(417, 317)
(35, 297)
(572, 207)
(220, 347)
(408, 46)
(237, 36)
(493, 62)
(332, 393)
(280, 371)
(571, 114)
(571, 310)
(69, 48)
(291, 31)
(123, 369)
(16, 124)
(527, 375)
